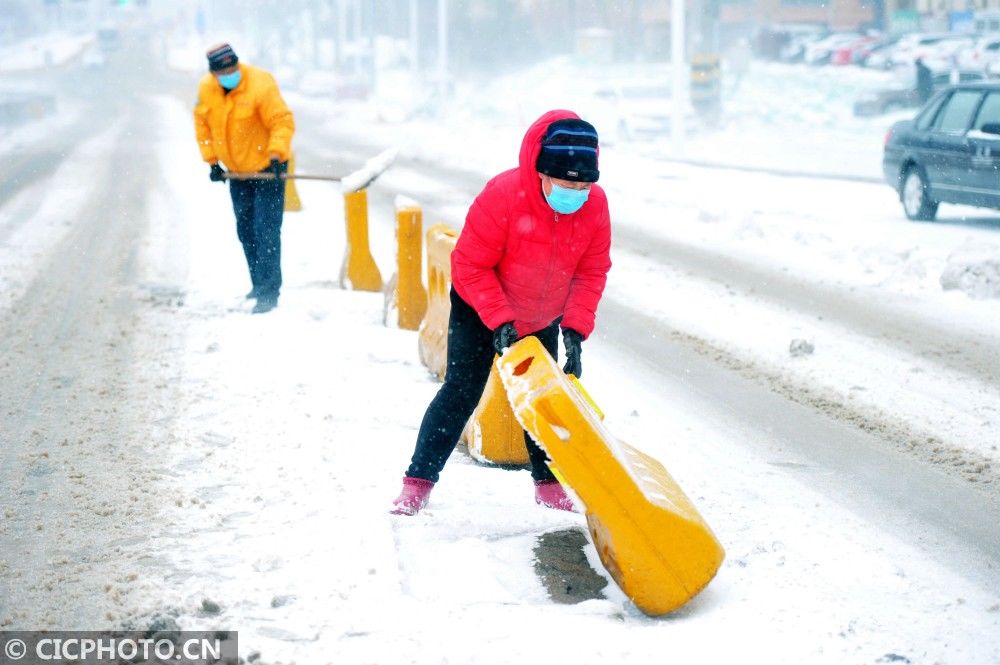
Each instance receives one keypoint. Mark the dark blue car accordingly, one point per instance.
(949, 153)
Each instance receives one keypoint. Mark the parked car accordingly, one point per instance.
(785, 41)
(904, 94)
(632, 109)
(949, 153)
(917, 45)
(820, 52)
(794, 49)
(877, 55)
(945, 53)
(982, 54)
(846, 54)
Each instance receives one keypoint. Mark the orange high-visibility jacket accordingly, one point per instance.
(241, 129)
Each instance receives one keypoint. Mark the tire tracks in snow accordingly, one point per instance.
(966, 464)
(967, 351)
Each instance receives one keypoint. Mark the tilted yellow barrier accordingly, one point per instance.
(647, 532)
(432, 339)
(493, 433)
(404, 294)
(292, 201)
(358, 271)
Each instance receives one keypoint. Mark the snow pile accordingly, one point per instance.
(974, 271)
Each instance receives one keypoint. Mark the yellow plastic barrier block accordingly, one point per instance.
(405, 297)
(649, 535)
(292, 201)
(493, 433)
(432, 338)
(358, 271)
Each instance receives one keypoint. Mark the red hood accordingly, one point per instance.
(531, 145)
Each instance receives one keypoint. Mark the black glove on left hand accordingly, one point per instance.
(573, 340)
(276, 167)
(216, 174)
(504, 336)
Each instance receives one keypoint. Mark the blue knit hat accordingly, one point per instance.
(569, 151)
(220, 57)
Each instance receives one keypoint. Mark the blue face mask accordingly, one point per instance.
(230, 81)
(565, 200)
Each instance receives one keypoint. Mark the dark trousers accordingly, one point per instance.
(470, 358)
(259, 206)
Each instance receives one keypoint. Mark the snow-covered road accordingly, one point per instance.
(161, 447)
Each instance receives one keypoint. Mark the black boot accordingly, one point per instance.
(264, 305)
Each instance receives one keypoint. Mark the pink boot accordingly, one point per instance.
(550, 493)
(416, 492)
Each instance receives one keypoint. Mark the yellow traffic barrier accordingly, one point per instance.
(432, 338)
(292, 201)
(405, 294)
(649, 535)
(493, 433)
(358, 271)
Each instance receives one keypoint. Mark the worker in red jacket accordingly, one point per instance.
(533, 256)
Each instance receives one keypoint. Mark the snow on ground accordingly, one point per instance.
(48, 204)
(291, 433)
(47, 50)
(13, 138)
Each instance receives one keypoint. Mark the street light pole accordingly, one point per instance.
(442, 49)
(677, 67)
(414, 41)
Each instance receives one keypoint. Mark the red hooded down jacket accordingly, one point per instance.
(519, 260)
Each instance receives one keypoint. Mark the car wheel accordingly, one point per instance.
(916, 203)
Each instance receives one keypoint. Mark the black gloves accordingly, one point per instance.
(572, 340)
(504, 336)
(216, 174)
(276, 167)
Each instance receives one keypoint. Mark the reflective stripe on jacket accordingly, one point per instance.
(518, 260)
(243, 128)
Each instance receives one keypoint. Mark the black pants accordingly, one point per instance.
(259, 206)
(470, 358)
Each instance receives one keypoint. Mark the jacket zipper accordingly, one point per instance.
(552, 259)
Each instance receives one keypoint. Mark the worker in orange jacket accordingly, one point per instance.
(242, 122)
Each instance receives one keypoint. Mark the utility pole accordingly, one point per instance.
(442, 49)
(341, 35)
(356, 6)
(414, 41)
(678, 69)
(372, 69)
